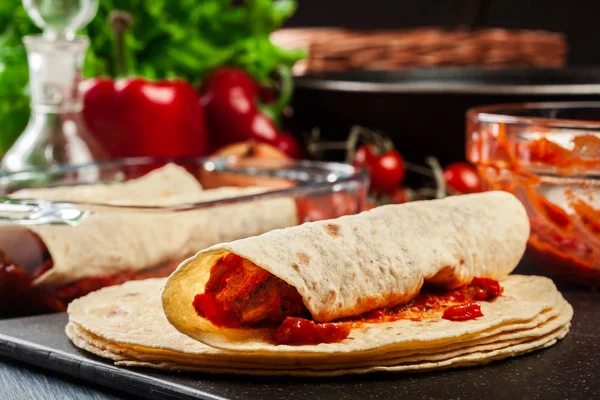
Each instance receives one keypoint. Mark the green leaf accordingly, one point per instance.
(169, 39)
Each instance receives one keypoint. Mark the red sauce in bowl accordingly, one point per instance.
(552, 179)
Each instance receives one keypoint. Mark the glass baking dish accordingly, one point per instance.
(548, 155)
(59, 245)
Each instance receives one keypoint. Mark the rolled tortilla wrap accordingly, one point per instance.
(354, 264)
(113, 240)
(110, 242)
(161, 183)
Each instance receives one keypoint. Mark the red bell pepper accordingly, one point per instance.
(136, 117)
(233, 114)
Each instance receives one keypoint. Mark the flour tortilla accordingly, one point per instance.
(114, 314)
(476, 355)
(113, 240)
(124, 323)
(161, 183)
(109, 242)
(354, 264)
(206, 356)
(468, 360)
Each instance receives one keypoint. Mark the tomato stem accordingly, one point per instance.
(438, 174)
(377, 141)
(418, 169)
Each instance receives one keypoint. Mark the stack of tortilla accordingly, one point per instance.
(383, 255)
(113, 240)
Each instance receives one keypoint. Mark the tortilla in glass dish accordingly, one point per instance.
(119, 239)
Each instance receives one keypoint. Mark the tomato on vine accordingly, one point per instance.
(462, 178)
(385, 166)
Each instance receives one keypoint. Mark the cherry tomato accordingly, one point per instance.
(369, 206)
(462, 177)
(401, 195)
(386, 170)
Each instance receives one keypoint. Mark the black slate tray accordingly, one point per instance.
(570, 369)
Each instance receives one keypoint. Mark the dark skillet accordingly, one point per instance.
(423, 109)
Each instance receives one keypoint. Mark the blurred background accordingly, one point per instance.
(312, 71)
(386, 66)
(388, 86)
(578, 20)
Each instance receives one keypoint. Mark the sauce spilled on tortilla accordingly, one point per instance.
(463, 312)
(241, 294)
(301, 331)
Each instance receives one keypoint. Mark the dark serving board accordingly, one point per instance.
(570, 369)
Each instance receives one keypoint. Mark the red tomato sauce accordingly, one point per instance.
(565, 242)
(241, 294)
(455, 305)
(463, 312)
(81, 288)
(327, 206)
(563, 265)
(18, 295)
(301, 331)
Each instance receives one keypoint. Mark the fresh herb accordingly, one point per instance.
(169, 39)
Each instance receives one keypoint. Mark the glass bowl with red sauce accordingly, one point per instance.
(319, 190)
(548, 155)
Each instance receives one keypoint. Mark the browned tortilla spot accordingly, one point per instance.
(331, 294)
(332, 229)
(116, 311)
(296, 267)
(303, 258)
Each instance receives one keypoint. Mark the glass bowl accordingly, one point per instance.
(240, 197)
(548, 155)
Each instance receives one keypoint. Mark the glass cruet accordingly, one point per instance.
(56, 132)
